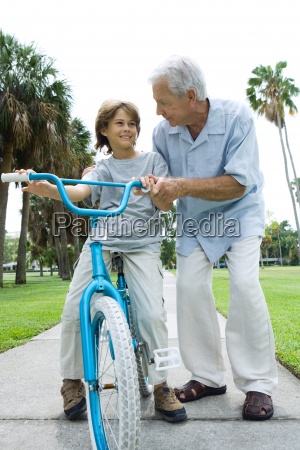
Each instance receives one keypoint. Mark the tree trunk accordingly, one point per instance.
(58, 252)
(280, 251)
(292, 164)
(21, 261)
(65, 264)
(261, 260)
(6, 167)
(75, 236)
(288, 178)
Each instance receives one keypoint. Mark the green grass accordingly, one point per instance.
(281, 286)
(27, 310)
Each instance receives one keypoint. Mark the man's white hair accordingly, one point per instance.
(181, 73)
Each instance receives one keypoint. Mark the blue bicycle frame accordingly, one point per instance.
(101, 283)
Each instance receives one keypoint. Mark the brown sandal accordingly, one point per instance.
(194, 390)
(257, 406)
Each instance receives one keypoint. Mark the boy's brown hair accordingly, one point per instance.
(106, 113)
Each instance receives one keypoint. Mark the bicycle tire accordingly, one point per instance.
(144, 387)
(113, 412)
(141, 362)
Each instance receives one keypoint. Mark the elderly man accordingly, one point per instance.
(211, 149)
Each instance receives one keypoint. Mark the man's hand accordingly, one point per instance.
(149, 188)
(166, 189)
(87, 170)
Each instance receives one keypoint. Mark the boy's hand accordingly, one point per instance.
(40, 187)
(153, 185)
(147, 183)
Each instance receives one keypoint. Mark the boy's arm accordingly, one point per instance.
(45, 189)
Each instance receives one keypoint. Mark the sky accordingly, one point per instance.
(107, 49)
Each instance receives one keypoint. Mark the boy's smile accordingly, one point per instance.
(121, 133)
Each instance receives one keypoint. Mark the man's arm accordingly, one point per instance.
(216, 189)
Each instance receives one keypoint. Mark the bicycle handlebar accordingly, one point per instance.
(15, 177)
(30, 177)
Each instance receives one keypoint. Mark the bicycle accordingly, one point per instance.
(114, 359)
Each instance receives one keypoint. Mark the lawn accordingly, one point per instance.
(27, 310)
(281, 286)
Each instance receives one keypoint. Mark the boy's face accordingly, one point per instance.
(121, 131)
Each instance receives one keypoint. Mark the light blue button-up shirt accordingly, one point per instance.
(227, 145)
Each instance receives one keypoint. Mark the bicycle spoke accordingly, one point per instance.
(117, 405)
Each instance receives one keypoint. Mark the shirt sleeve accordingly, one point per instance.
(93, 175)
(242, 155)
(160, 168)
(159, 142)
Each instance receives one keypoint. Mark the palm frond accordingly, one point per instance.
(14, 120)
(269, 92)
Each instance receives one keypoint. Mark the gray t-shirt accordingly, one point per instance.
(138, 227)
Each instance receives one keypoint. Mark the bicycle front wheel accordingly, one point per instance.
(113, 400)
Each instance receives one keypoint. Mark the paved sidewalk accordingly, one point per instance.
(31, 416)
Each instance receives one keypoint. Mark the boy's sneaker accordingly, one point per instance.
(73, 392)
(167, 403)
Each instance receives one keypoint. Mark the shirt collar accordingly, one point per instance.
(216, 117)
(215, 122)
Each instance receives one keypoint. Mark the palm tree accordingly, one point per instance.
(39, 225)
(31, 96)
(296, 184)
(14, 123)
(80, 140)
(265, 245)
(79, 157)
(48, 143)
(270, 93)
(42, 226)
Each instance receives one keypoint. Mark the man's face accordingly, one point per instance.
(176, 111)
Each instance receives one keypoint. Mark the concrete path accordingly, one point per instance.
(31, 415)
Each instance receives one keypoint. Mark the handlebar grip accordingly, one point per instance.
(15, 177)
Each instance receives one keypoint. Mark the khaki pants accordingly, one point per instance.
(249, 335)
(143, 273)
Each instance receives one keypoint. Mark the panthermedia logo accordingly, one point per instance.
(164, 225)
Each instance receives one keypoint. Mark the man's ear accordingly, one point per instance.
(191, 95)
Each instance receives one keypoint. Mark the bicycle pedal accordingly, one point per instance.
(166, 358)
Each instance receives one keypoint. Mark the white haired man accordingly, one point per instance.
(211, 149)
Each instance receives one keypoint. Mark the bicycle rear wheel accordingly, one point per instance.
(113, 401)
(141, 361)
(145, 387)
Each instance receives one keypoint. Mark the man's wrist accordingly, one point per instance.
(183, 188)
